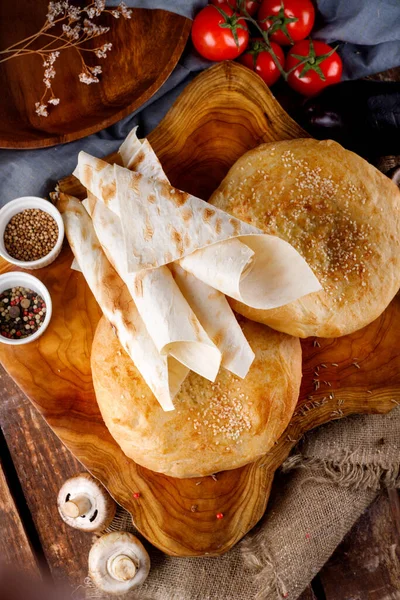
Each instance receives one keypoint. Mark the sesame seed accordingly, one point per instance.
(315, 214)
(225, 415)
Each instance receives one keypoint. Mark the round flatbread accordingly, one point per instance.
(339, 212)
(215, 426)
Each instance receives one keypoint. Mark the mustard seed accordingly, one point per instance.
(30, 234)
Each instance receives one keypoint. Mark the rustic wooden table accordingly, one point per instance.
(34, 464)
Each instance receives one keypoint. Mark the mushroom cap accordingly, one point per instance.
(83, 503)
(118, 562)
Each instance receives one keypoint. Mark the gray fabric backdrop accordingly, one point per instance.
(368, 32)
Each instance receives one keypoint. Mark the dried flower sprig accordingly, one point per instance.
(75, 27)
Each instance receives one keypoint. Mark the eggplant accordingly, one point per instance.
(363, 116)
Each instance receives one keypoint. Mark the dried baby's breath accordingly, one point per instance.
(41, 109)
(73, 26)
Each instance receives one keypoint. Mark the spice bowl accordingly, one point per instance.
(17, 206)
(15, 279)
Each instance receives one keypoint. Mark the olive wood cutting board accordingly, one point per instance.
(224, 112)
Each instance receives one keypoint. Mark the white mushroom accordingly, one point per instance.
(118, 562)
(84, 503)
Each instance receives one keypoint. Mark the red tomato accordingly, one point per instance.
(219, 34)
(259, 59)
(287, 20)
(320, 67)
(251, 6)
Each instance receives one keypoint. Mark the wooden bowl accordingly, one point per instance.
(145, 50)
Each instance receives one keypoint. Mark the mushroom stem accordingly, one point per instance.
(76, 507)
(123, 568)
(84, 496)
(118, 562)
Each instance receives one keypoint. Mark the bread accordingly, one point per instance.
(214, 427)
(339, 212)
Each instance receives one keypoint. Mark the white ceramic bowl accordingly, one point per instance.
(17, 278)
(17, 206)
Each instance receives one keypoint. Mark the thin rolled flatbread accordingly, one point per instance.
(250, 270)
(164, 375)
(162, 225)
(261, 271)
(138, 155)
(209, 305)
(169, 320)
(154, 300)
(216, 316)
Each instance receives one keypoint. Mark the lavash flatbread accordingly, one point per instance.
(168, 318)
(163, 375)
(154, 294)
(162, 225)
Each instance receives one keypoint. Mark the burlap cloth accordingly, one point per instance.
(323, 487)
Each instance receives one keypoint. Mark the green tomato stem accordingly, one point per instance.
(265, 35)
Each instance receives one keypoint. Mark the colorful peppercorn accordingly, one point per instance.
(16, 322)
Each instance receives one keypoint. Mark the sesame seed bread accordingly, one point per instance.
(215, 426)
(339, 212)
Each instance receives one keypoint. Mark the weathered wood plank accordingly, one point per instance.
(366, 565)
(42, 464)
(15, 547)
(394, 501)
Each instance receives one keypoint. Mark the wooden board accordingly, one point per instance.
(222, 114)
(145, 50)
(376, 533)
(308, 594)
(40, 465)
(371, 570)
(15, 546)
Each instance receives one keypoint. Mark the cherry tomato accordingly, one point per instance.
(287, 20)
(320, 67)
(218, 33)
(258, 58)
(251, 6)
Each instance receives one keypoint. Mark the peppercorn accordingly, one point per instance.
(14, 311)
(14, 323)
(30, 234)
